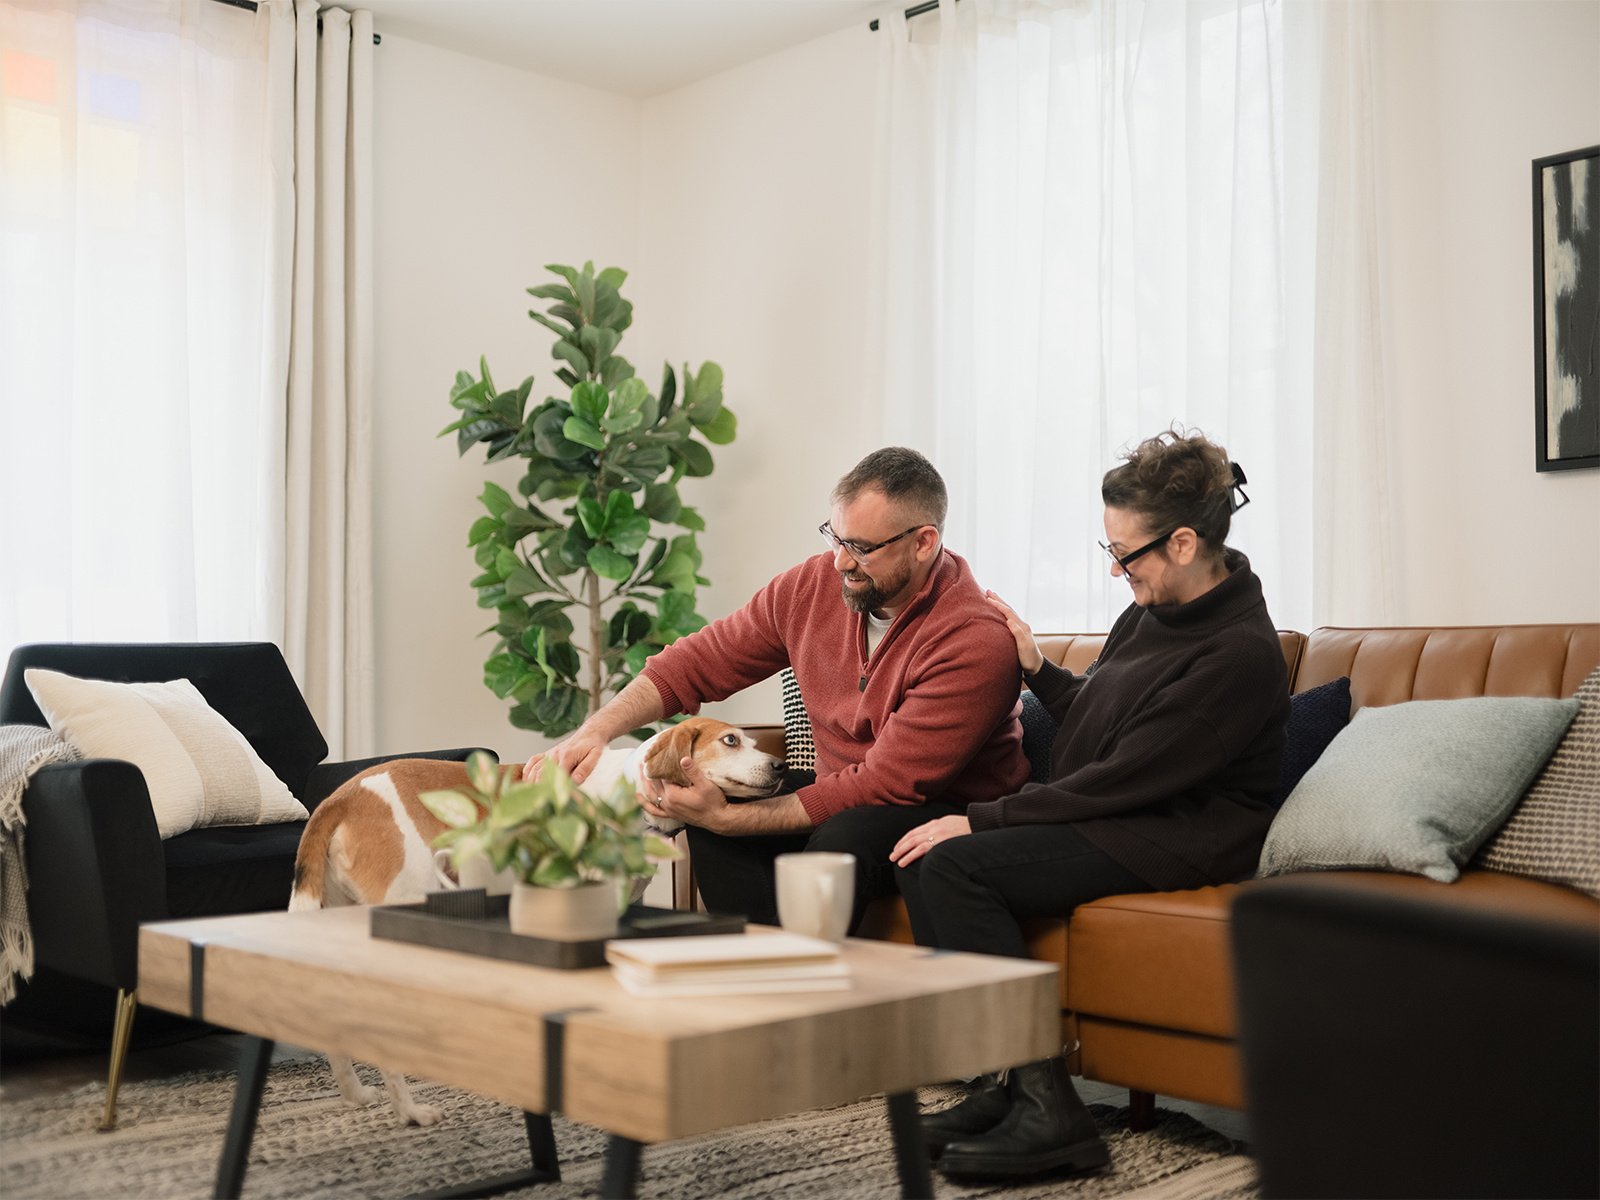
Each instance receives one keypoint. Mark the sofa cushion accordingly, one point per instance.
(1415, 787)
(199, 769)
(231, 869)
(1315, 719)
(1554, 834)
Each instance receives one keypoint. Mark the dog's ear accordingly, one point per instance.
(670, 749)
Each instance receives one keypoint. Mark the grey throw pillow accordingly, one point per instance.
(1415, 787)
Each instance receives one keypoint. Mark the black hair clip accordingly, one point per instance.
(1237, 498)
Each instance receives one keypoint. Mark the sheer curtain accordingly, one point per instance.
(157, 269)
(1081, 209)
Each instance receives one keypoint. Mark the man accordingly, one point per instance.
(911, 684)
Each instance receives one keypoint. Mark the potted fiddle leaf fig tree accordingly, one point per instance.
(593, 565)
(573, 855)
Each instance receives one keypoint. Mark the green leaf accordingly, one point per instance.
(552, 871)
(597, 342)
(482, 529)
(496, 499)
(609, 564)
(553, 291)
(454, 809)
(615, 370)
(613, 277)
(589, 401)
(483, 369)
(567, 273)
(576, 429)
(592, 516)
(569, 832)
(523, 582)
(695, 458)
(722, 428)
(637, 655)
(690, 518)
(563, 331)
(583, 286)
(549, 439)
(661, 501)
(571, 355)
(669, 389)
(629, 534)
(520, 521)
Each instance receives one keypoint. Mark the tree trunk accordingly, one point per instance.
(597, 645)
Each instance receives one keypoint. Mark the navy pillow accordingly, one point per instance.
(1315, 719)
(1038, 736)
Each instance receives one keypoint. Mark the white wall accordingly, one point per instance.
(741, 206)
(755, 191)
(484, 174)
(1468, 94)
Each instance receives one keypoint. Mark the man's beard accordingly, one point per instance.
(876, 594)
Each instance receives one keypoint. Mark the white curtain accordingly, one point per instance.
(160, 478)
(1081, 210)
(326, 292)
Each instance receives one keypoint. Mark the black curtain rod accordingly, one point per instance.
(377, 38)
(916, 10)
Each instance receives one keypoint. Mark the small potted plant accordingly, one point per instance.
(573, 855)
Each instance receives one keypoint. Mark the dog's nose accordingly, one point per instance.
(780, 766)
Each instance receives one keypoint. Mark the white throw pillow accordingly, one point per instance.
(199, 769)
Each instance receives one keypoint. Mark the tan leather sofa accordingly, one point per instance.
(1146, 985)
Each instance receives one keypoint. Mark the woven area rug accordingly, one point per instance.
(310, 1143)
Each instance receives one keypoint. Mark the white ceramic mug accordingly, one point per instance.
(474, 873)
(815, 893)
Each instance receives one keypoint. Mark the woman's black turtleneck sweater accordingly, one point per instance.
(1169, 748)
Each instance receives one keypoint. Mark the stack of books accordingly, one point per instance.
(720, 965)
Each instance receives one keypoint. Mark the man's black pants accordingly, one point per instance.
(736, 874)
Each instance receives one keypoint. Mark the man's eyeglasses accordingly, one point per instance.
(857, 550)
(1122, 560)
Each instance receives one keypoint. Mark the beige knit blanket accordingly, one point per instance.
(23, 750)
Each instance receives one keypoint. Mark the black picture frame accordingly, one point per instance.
(1566, 310)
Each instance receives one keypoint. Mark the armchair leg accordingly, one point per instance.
(127, 1002)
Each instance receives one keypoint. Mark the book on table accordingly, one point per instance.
(703, 966)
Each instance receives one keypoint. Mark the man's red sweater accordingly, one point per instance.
(931, 715)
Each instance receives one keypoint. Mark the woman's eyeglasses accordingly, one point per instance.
(1122, 560)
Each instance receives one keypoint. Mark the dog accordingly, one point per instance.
(371, 841)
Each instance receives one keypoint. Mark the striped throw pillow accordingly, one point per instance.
(1554, 834)
(799, 750)
(199, 769)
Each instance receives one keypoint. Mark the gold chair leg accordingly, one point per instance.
(127, 1002)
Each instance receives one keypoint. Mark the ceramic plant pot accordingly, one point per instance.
(576, 914)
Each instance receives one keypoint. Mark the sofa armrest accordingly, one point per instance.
(96, 868)
(326, 777)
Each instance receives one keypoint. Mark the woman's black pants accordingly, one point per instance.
(971, 892)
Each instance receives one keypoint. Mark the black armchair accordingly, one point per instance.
(96, 865)
(1413, 1045)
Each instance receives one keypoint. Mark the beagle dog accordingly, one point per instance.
(371, 841)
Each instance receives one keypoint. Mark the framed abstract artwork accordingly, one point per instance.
(1566, 309)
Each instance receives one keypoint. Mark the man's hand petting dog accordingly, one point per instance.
(701, 803)
(577, 755)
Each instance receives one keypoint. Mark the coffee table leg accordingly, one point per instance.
(910, 1155)
(254, 1057)
(621, 1178)
(542, 1146)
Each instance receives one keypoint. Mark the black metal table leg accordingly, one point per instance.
(546, 1167)
(910, 1155)
(254, 1057)
(621, 1178)
(542, 1146)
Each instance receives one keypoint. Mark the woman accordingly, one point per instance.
(1161, 778)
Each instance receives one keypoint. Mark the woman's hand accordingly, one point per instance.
(1028, 652)
(925, 837)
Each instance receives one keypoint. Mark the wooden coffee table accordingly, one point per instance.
(574, 1042)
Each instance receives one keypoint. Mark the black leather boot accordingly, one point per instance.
(1047, 1129)
(979, 1111)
